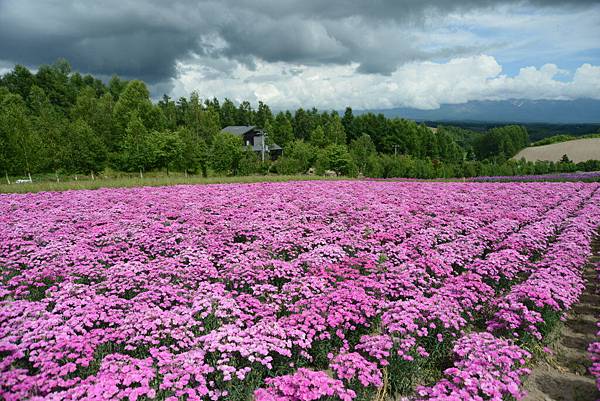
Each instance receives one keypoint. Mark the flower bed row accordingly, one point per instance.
(300, 290)
(491, 366)
(594, 349)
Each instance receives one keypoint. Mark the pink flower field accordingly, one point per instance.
(345, 290)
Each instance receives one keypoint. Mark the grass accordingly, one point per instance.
(46, 184)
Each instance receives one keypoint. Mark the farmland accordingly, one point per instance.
(344, 290)
(577, 150)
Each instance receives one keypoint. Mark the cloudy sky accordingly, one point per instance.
(328, 54)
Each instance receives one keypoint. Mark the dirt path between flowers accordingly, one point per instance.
(564, 376)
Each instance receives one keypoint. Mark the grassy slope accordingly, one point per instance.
(126, 182)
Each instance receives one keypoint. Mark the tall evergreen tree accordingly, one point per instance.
(282, 131)
(134, 100)
(228, 114)
(334, 130)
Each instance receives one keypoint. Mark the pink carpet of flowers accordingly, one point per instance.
(594, 348)
(287, 291)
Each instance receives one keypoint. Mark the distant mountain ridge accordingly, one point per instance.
(507, 111)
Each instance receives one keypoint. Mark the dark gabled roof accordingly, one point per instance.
(238, 129)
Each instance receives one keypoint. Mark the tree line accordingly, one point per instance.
(58, 121)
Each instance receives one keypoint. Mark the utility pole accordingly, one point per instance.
(263, 146)
(396, 150)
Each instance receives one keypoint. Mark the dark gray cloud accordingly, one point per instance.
(144, 39)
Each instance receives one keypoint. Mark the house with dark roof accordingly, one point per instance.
(256, 139)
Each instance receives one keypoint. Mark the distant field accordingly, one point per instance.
(578, 150)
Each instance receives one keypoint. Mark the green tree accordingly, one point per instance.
(318, 138)
(50, 125)
(194, 154)
(137, 154)
(228, 114)
(7, 145)
(502, 142)
(245, 114)
(264, 115)
(373, 167)
(302, 154)
(336, 158)
(116, 86)
(334, 130)
(303, 124)
(98, 115)
(21, 140)
(282, 132)
(19, 81)
(203, 121)
(348, 123)
(250, 162)
(226, 153)
(169, 111)
(361, 150)
(168, 149)
(134, 100)
(84, 151)
(54, 80)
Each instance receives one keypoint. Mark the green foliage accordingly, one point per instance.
(362, 149)
(373, 167)
(51, 127)
(334, 130)
(317, 137)
(134, 99)
(203, 120)
(245, 114)
(502, 143)
(302, 154)
(282, 132)
(250, 163)
(20, 143)
(336, 158)
(166, 149)
(85, 152)
(19, 81)
(137, 154)
(194, 154)
(348, 123)
(226, 153)
(553, 139)
(565, 159)
(228, 113)
(562, 138)
(169, 112)
(304, 123)
(264, 115)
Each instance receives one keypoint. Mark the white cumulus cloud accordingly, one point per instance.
(423, 85)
